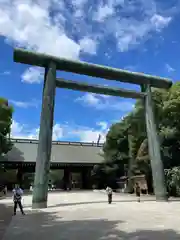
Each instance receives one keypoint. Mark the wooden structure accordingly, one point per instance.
(141, 180)
(51, 65)
(74, 161)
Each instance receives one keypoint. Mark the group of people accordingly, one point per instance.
(137, 190)
(18, 192)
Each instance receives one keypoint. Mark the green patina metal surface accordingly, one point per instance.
(154, 148)
(94, 70)
(85, 87)
(45, 139)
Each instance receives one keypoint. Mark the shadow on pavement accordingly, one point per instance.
(5, 217)
(93, 202)
(47, 226)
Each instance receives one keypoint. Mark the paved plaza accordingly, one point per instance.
(87, 216)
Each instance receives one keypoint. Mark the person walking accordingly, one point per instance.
(5, 190)
(109, 193)
(17, 198)
(138, 191)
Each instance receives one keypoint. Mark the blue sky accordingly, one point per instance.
(139, 35)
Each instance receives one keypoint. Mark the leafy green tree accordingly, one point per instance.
(167, 115)
(171, 108)
(6, 112)
(116, 145)
(173, 181)
(98, 175)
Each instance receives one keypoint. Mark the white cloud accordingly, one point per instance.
(22, 104)
(16, 129)
(101, 102)
(134, 32)
(29, 24)
(86, 134)
(33, 75)
(5, 73)
(52, 27)
(130, 22)
(169, 68)
(61, 131)
(103, 12)
(57, 132)
(79, 7)
(79, 3)
(103, 125)
(89, 98)
(159, 21)
(21, 131)
(92, 136)
(88, 45)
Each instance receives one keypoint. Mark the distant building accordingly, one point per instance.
(75, 160)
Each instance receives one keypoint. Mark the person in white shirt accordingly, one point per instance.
(31, 188)
(109, 192)
(17, 198)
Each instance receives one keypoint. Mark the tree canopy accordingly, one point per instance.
(6, 112)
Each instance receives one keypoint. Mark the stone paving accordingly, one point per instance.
(5, 217)
(87, 216)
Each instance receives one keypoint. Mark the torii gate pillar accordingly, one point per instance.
(40, 190)
(154, 148)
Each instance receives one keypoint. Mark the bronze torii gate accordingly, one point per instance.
(51, 64)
